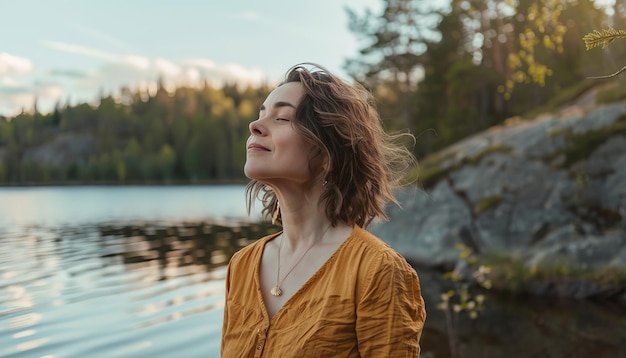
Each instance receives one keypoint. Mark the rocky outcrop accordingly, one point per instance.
(547, 190)
(64, 150)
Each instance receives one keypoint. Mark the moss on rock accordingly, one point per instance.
(581, 145)
(487, 203)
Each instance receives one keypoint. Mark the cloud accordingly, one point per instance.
(137, 67)
(229, 72)
(202, 62)
(82, 50)
(241, 73)
(139, 62)
(115, 71)
(14, 94)
(67, 73)
(13, 89)
(167, 68)
(10, 64)
(140, 72)
(17, 96)
(48, 90)
(13, 104)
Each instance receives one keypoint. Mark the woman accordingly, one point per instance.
(323, 287)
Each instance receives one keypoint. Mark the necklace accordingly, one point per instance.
(276, 291)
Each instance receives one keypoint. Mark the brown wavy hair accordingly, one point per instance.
(365, 164)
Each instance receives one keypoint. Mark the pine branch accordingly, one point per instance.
(602, 38)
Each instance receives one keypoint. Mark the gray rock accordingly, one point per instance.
(585, 252)
(426, 231)
(503, 193)
(65, 149)
(600, 117)
(601, 162)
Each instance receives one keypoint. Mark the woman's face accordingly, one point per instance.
(276, 153)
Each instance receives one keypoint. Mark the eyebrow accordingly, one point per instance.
(278, 105)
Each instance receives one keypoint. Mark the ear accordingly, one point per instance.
(325, 164)
(319, 164)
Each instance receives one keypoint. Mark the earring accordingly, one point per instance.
(325, 182)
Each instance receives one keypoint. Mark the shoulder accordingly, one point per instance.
(382, 271)
(377, 251)
(370, 240)
(250, 252)
(376, 264)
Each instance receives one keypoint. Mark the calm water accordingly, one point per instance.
(117, 271)
(75, 206)
(139, 272)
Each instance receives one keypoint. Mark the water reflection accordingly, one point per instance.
(177, 251)
(133, 290)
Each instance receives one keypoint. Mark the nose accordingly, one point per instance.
(256, 128)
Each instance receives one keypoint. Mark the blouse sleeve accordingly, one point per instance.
(390, 311)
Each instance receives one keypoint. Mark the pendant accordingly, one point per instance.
(276, 291)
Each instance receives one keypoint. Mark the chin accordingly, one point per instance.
(252, 173)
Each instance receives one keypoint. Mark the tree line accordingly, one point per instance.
(190, 135)
(442, 72)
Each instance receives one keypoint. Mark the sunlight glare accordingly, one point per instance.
(31, 345)
(26, 333)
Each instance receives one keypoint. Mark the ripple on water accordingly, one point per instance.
(138, 290)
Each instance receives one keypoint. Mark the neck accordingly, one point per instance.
(303, 219)
(302, 230)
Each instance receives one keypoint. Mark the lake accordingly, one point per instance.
(80, 205)
(114, 271)
(139, 272)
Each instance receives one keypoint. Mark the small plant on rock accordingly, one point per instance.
(462, 298)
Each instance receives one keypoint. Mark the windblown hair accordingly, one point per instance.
(365, 164)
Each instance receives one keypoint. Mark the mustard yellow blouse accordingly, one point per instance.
(365, 301)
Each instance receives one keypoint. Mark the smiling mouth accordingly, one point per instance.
(257, 147)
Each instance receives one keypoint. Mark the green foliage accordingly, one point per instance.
(510, 274)
(437, 166)
(166, 161)
(543, 29)
(486, 204)
(398, 33)
(434, 168)
(562, 97)
(581, 145)
(493, 148)
(121, 170)
(463, 298)
(471, 56)
(189, 135)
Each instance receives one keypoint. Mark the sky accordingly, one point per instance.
(77, 50)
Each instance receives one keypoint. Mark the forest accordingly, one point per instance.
(443, 73)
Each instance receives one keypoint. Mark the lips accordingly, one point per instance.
(254, 146)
